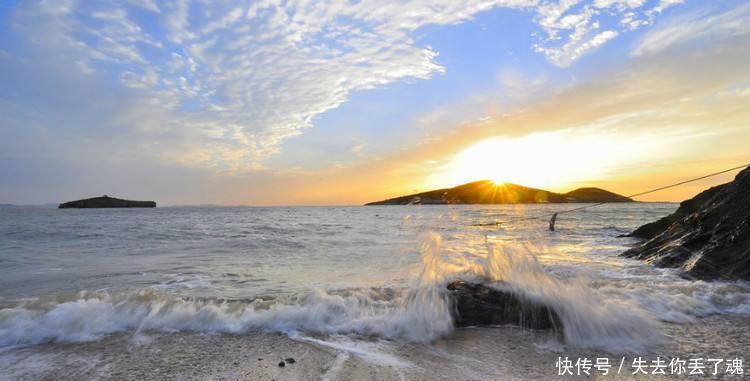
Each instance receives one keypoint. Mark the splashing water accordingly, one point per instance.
(420, 313)
(588, 319)
(619, 308)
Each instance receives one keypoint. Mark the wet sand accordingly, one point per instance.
(498, 353)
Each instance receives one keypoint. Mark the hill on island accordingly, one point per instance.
(107, 202)
(488, 192)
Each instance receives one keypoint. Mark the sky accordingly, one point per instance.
(345, 102)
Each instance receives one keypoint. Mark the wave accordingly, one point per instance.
(588, 320)
(591, 317)
(94, 315)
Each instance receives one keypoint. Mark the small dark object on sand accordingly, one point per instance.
(290, 360)
(282, 364)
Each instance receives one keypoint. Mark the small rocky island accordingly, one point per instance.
(107, 202)
(488, 192)
(708, 237)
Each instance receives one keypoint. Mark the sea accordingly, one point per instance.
(348, 293)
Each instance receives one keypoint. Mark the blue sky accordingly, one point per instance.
(190, 102)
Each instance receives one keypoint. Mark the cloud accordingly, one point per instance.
(686, 109)
(693, 103)
(732, 23)
(358, 149)
(577, 46)
(621, 4)
(230, 80)
(573, 28)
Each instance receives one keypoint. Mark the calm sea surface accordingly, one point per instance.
(362, 285)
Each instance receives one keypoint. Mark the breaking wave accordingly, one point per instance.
(594, 317)
(366, 312)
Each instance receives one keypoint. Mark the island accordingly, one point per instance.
(107, 202)
(489, 192)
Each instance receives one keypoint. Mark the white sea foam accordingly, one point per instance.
(376, 352)
(612, 316)
(588, 319)
(93, 316)
(417, 314)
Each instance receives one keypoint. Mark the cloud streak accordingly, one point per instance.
(696, 26)
(230, 80)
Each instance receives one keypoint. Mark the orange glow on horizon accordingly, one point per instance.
(548, 160)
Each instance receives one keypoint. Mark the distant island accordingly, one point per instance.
(107, 202)
(488, 192)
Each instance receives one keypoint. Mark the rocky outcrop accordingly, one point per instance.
(708, 237)
(488, 192)
(107, 202)
(477, 305)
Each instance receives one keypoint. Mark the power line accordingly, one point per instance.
(690, 181)
(607, 202)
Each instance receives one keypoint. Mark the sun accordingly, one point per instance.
(508, 161)
(548, 160)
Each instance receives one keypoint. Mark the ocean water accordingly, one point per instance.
(354, 292)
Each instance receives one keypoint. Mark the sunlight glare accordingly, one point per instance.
(543, 160)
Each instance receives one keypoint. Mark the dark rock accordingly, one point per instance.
(290, 360)
(107, 202)
(282, 364)
(487, 192)
(708, 237)
(478, 304)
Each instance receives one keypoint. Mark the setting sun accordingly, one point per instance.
(546, 160)
(365, 190)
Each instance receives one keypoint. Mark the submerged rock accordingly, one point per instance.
(478, 304)
(708, 237)
(107, 202)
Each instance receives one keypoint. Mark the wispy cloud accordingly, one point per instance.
(699, 25)
(232, 79)
(573, 27)
(196, 110)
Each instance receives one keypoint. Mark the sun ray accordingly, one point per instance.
(542, 160)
